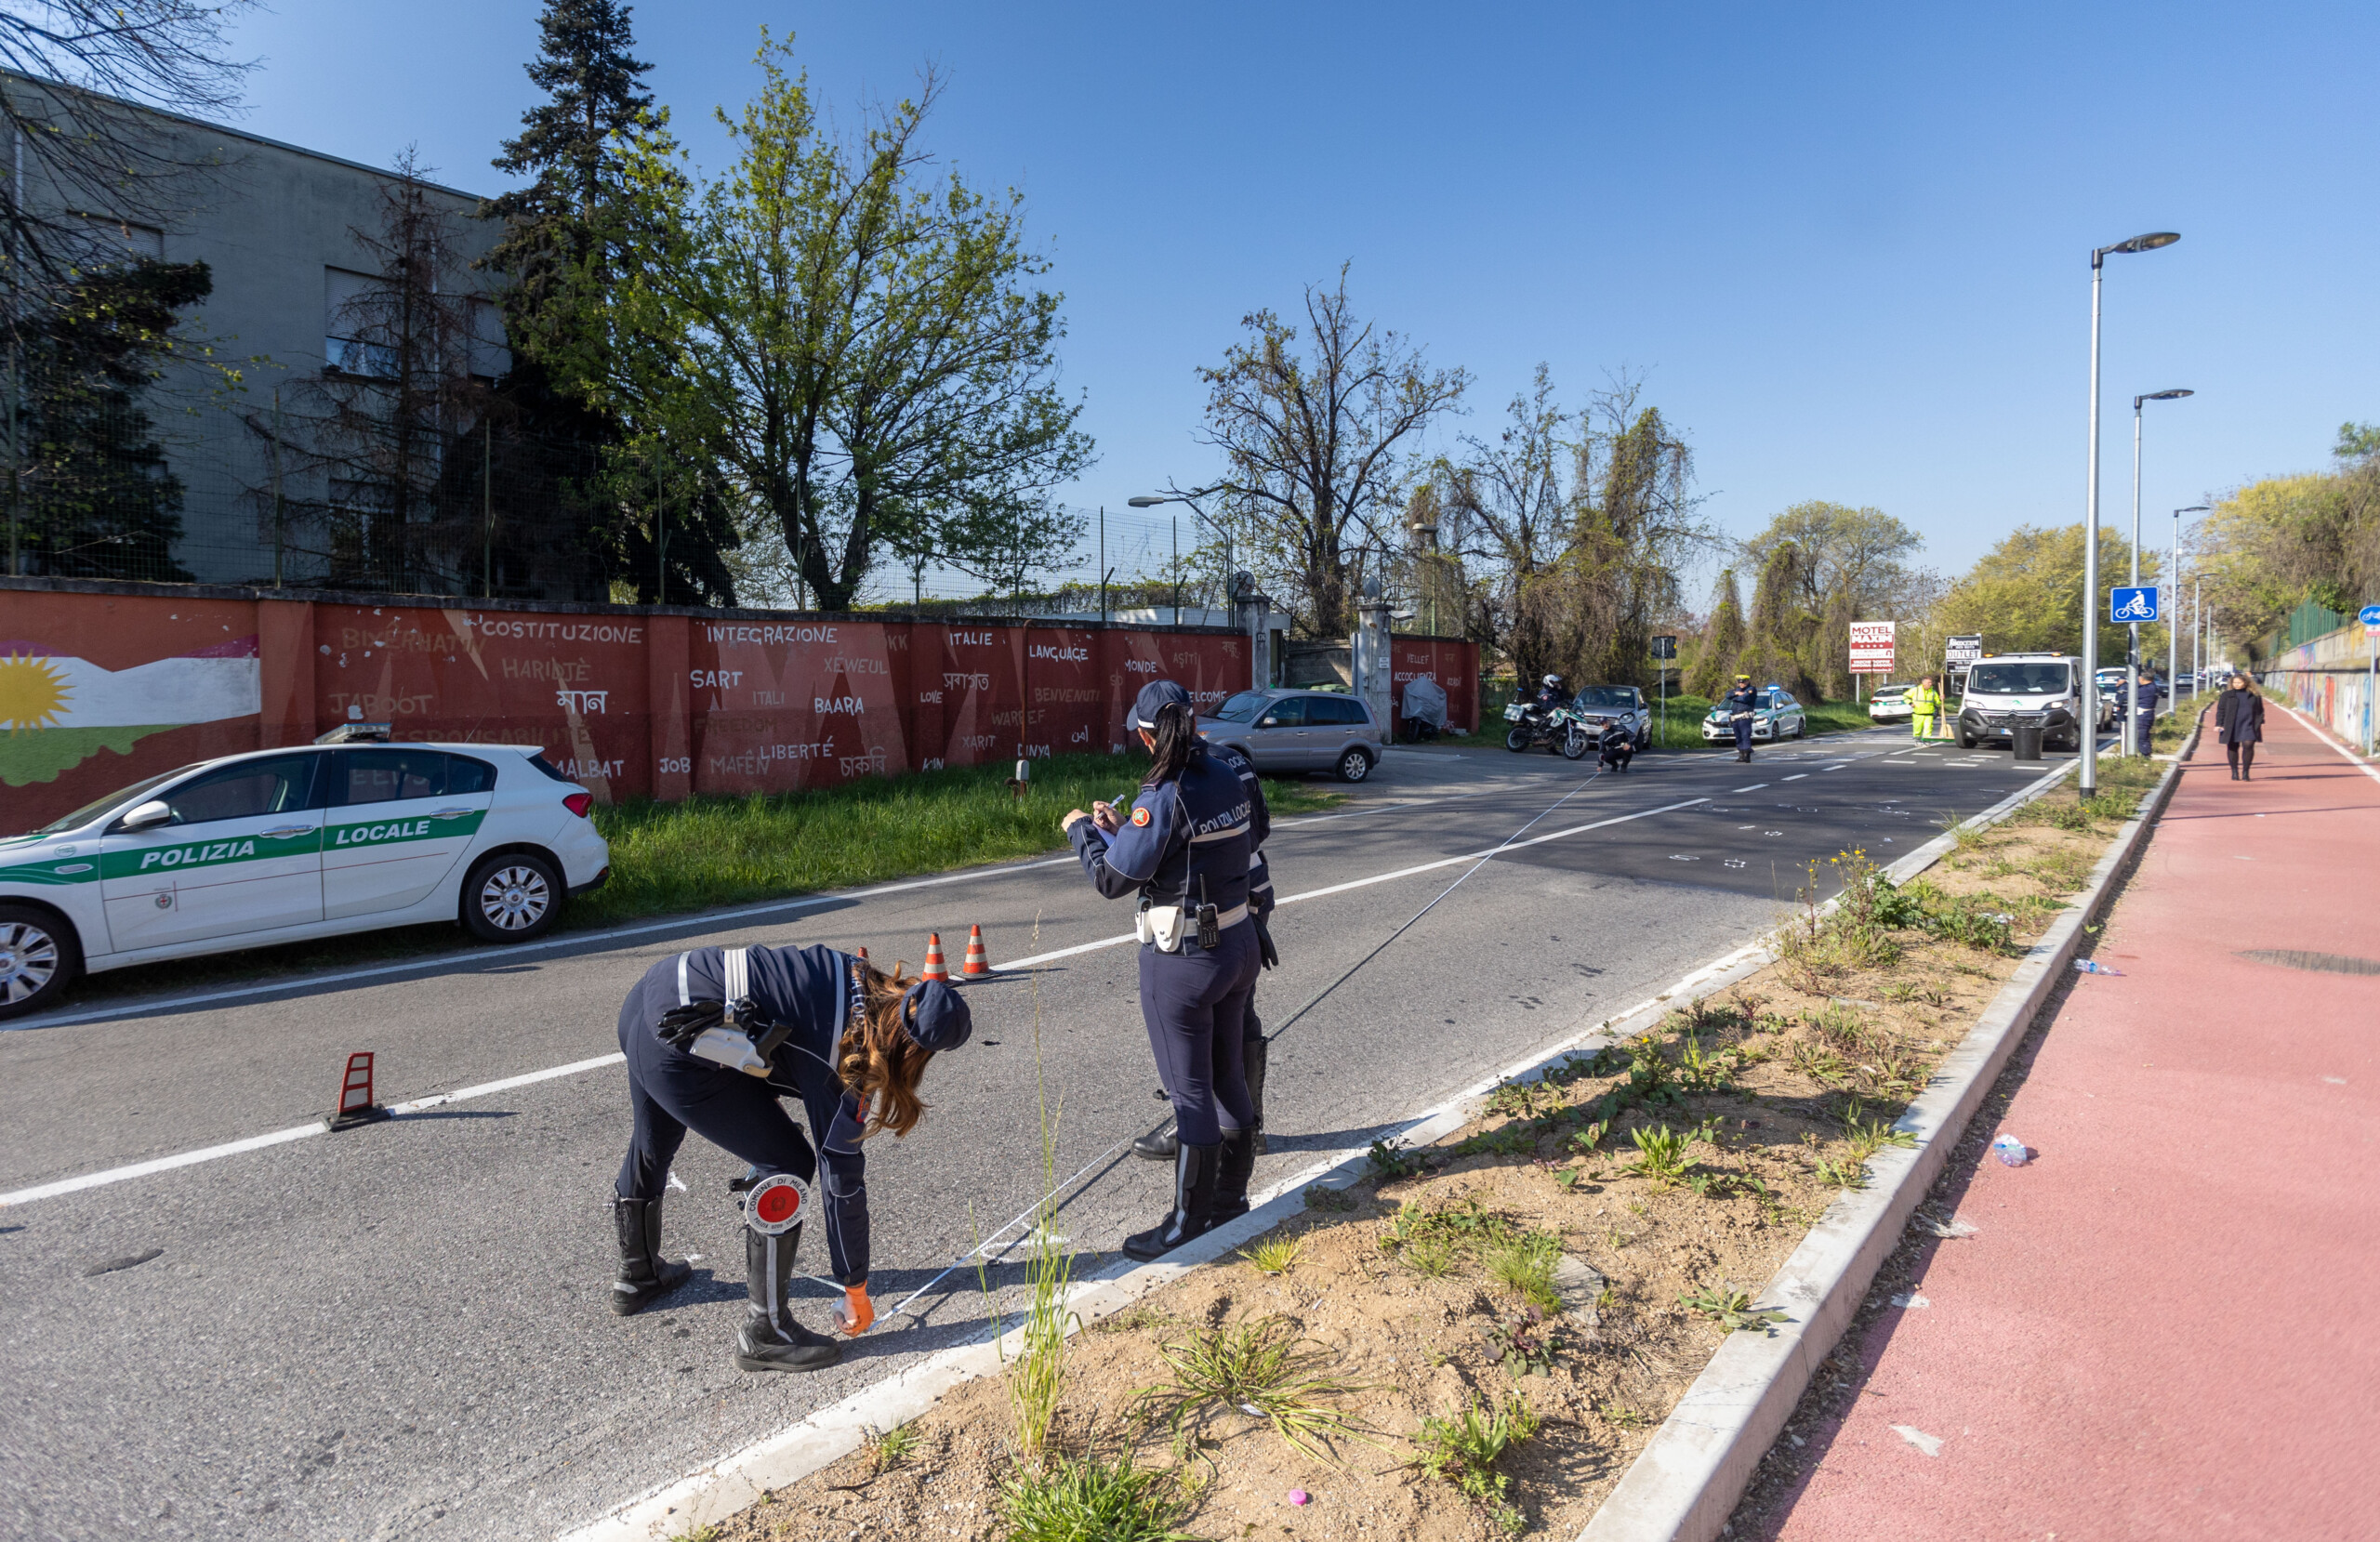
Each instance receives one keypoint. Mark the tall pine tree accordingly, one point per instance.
(617, 491)
(1722, 639)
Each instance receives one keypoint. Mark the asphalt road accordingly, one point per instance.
(402, 1330)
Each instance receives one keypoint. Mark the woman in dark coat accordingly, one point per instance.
(2239, 723)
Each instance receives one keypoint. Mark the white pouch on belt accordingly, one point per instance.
(727, 1045)
(1160, 924)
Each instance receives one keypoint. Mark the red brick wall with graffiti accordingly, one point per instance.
(102, 686)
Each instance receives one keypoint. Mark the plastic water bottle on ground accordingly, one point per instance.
(2011, 1152)
(2092, 966)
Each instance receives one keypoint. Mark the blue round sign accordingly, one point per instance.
(2371, 616)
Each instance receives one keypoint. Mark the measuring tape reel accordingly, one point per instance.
(777, 1205)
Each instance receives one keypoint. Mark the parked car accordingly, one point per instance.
(282, 845)
(1889, 704)
(1624, 704)
(2007, 689)
(1778, 717)
(1298, 731)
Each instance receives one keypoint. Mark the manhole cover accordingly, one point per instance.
(2325, 963)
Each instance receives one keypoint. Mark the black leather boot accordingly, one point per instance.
(1253, 1053)
(1195, 1171)
(1233, 1168)
(770, 1339)
(645, 1276)
(1160, 1147)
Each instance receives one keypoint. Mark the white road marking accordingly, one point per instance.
(1797, 776)
(1753, 788)
(2322, 737)
(417, 1105)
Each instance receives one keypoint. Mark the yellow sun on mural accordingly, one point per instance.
(32, 693)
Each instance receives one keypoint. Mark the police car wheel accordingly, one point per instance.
(39, 959)
(512, 897)
(1354, 766)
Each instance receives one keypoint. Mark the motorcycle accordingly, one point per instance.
(1560, 727)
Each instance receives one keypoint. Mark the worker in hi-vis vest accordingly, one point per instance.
(1925, 709)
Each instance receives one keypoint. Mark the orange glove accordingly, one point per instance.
(857, 1313)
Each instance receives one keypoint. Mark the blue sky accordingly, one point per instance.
(1847, 246)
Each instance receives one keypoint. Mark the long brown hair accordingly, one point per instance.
(879, 1062)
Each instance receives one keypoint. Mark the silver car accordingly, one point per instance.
(1298, 730)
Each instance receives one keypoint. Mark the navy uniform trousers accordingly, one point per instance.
(1198, 1005)
(671, 1091)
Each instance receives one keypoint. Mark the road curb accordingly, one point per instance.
(1685, 1482)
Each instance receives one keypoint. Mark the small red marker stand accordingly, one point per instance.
(355, 1105)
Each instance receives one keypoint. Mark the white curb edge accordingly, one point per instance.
(726, 1487)
(1685, 1482)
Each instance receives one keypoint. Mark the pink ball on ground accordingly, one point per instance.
(1299, 1497)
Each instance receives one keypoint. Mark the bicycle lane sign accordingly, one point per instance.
(2129, 604)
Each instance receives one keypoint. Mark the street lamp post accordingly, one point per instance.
(2090, 727)
(1153, 501)
(2132, 656)
(2172, 635)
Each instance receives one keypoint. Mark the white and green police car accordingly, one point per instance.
(282, 845)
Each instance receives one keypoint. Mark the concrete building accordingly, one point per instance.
(285, 233)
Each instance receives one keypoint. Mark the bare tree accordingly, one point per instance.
(1316, 443)
(76, 78)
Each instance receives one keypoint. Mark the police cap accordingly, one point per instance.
(935, 1016)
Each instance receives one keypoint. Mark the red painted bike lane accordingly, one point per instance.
(2161, 1327)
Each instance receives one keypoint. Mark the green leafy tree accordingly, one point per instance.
(2025, 595)
(1781, 627)
(1723, 639)
(859, 345)
(623, 507)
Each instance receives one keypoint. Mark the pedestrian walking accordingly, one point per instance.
(2240, 724)
(713, 1038)
(1741, 703)
(1924, 708)
(1184, 849)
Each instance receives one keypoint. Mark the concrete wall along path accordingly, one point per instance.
(102, 685)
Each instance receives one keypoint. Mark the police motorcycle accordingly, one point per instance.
(1560, 726)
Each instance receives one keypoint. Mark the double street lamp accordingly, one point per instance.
(2090, 730)
(2132, 655)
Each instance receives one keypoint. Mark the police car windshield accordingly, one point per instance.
(1241, 708)
(89, 811)
(1607, 695)
(1989, 678)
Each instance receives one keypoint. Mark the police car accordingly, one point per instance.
(1779, 716)
(282, 845)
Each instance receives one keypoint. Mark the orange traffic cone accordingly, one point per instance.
(935, 969)
(978, 962)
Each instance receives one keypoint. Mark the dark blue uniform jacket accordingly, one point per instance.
(818, 992)
(1188, 842)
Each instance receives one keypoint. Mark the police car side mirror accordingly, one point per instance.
(1270, 722)
(147, 816)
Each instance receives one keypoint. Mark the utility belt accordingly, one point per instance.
(1171, 928)
(735, 1032)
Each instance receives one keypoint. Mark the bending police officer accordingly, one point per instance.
(713, 1038)
(1184, 849)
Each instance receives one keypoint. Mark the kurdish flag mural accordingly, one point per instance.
(57, 711)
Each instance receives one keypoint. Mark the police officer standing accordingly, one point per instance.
(2144, 719)
(1183, 847)
(713, 1038)
(1255, 1050)
(1741, 703)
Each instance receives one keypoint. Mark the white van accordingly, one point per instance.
(2005, 690)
